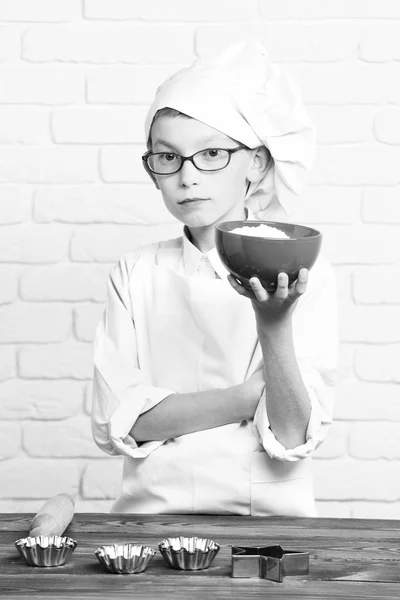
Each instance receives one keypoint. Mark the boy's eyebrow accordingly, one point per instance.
(163, 143)
(214, 138)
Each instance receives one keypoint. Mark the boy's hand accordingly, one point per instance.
(273, 307)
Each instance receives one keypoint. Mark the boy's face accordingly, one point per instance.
(222, 193)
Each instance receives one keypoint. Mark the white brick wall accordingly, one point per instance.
(74, 197)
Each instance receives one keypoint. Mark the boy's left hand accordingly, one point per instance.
(273, 307)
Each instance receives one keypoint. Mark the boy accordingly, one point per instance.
(216, 396)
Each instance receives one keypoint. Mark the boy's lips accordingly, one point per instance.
(187, 200)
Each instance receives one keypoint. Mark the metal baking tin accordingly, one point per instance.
(188, 553)
(268, 562)
(46, 551)
(125, 559)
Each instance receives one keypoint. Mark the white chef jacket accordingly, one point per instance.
(173, 324)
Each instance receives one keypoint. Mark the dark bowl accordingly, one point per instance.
(247, 256)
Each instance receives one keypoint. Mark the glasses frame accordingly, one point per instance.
(230, 151)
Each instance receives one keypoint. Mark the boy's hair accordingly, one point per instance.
(172, 112)
(169, 112)
(165, 112)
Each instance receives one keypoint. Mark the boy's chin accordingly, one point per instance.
(206, 216)
(197, 222)
(197, 218)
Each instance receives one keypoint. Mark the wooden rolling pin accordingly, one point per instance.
(54, 516)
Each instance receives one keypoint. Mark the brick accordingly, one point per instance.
(381, 205)
(48, 165)
(387, 126)
(335, 445)
(336, 9)
(350, 479)
(102, 479)
(340, 510)
(285, 43)
(351, 245)
(28, 243)
(123, 165)
(40, 10)
(175, 10)
(348, 83)
(9, 284)
(378, 363)
(357, 400)
(64, 439)
(377, 285)
(41, 400)
(324, 204)
(39, 478)
(8, 363)
(24, 125)
(346, 306)
(343, 124)
(35, 323)
(393, 91)
(68, 282)
(125, 204)
(344, 278)
(346, 362)
(126, 84)
(374, 440)
(72, 360)
(10, 440)
(345, 165)
(380, 42)
(10, 43)
(126, 43)
(89, 398)
(41, 85)
(107, 243)
(15, 204)
(98, 125)
(86, 319)
(370, 324)
(375, 510)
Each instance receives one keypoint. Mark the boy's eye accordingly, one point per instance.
(211, 153)
(168, 157)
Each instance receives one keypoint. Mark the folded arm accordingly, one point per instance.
(185, 413)
(127, 409)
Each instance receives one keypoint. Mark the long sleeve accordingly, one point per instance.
(121, 391)
(316, 341)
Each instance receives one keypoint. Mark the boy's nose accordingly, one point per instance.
(189, 175)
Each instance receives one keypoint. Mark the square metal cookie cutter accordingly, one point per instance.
(268, 562)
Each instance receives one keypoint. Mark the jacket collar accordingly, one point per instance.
(192, 255)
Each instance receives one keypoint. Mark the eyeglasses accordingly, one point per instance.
(211, 159)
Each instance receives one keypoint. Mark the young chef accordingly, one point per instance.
(217, 397)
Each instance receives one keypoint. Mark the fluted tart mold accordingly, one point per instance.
(188, 553)
(46, 551)
(125, 559)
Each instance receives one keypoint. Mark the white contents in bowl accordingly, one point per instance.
(261, 230)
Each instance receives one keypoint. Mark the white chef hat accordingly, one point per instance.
(243, 95)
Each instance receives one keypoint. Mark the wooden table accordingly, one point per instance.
(349, 558)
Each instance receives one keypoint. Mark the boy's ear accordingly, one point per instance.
(259, 165)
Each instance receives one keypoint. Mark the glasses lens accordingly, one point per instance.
(164, 163)
(211, 159)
